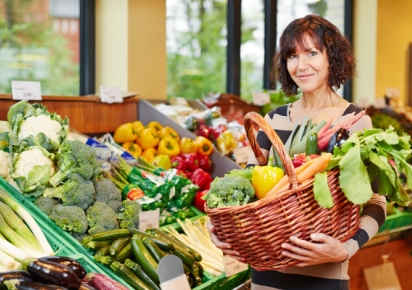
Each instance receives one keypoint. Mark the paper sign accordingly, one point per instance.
(109, 94)
(171, 274)
(233, 266)
(382, 277)
(23, 90)
(242, 154)
(260, 99)
(392, 92)
(149, 219)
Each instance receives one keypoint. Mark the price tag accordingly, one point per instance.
(149, 219)
(233, 266)
(260, 99)
(109, 94)
(23, 90)
(242, 154)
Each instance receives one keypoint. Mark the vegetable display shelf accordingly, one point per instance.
(396, 220)
(148, 113)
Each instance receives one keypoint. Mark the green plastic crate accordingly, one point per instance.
(226, 283)
(396, 220)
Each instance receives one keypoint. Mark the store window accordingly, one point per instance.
(196, 47)
(39, 41)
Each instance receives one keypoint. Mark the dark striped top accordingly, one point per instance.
(324, 276)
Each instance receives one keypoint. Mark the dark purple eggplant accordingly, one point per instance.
(54, 273)
(18, 275)
(71, 263)
(337, 139)
(30, 285)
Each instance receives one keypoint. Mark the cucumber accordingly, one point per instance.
(144, 258)
(161, 243)
(118, 245)
(139, 272)
(312, 143)
(128, 276)
(110, 234)
(153, 249)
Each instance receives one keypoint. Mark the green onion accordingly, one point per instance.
(29, 220)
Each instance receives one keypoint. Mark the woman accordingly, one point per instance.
(314, 57)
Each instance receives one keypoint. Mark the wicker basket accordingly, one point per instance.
(258, 229)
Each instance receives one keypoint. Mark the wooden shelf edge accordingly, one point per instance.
(89, 98)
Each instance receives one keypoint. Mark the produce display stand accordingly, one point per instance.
(147, 113)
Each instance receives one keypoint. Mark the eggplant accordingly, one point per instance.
(71, 263)
(337, 139)
(18, 275)
(30, 285)
(54, 273)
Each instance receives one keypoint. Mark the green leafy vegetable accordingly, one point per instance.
(321, 190)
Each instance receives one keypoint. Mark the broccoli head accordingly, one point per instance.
(230, 191)
(75, 191)
(101, 217)
(129, 214)
(75, 157)
(108, 193)
(46, 204)
(69, 218)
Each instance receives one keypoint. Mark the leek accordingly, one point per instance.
(29, 220)
(7, 261)
(12, 250)
(15, 222)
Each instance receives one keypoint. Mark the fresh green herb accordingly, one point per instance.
(366, 155)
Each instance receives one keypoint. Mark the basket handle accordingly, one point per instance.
(274, 139)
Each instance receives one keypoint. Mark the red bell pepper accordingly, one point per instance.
(201, 178)
(204, 162)
(179, 163)
(198, 202)
(191, 161)
(207, 132)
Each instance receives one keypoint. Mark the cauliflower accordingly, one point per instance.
(5, 163)
(32, 169)
(40, 124)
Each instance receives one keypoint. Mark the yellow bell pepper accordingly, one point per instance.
(188, 145)
(169, 132)
(264, 178)
(169, 147)
(226, 142)
(132, 148)
(162, 161)
(156, 126)
(149, 154)
(138, 126)
(125, 133)
(205, 145)
(148, 138)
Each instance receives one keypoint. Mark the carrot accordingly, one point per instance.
(316, 165)
(285, 179)
(324, 139)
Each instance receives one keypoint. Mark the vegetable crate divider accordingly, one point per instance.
(147, 113)
(396, 220)
(60, 241)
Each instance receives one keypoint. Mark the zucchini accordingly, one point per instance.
(144, 258)
(118, 245)
(110, 234)
(101, 252)
(125, 253)
(128, 276)
(138, 270)
(161, 243)
(153, 249)
(312, 143)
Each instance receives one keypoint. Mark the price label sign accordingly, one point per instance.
(149, 219)
(242, 154)
(23, 90)
(232, 266)
(109, 94)
(260, 99)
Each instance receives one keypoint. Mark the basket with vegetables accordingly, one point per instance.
(322, 195)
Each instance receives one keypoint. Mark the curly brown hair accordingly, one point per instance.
(325, 36)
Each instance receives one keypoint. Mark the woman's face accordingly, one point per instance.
(309, 68)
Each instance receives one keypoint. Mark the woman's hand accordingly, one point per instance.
(225, 247)
(322, 249)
